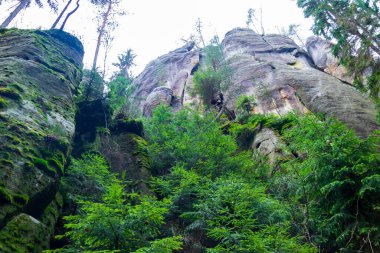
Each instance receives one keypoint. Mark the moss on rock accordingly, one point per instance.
(39, 75)
(24, 234)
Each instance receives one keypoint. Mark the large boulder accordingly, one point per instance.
(24, 234)
(160, 95)
(39, 72)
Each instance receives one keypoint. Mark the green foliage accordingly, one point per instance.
(116, 221)
(241, 217)
(125, 63)
(207, 84)
(334, 181)
(215, 77)
(244, 106)
(86, 178)
(192, 140)
(354, 25)
(166, 245)
(120, 90)
(115, 224)
(92, 86)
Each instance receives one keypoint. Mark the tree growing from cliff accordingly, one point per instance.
(23, 4)
(213, 82)
(253, 18)
(355, 25)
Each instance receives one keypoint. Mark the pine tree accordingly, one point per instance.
(355, 25)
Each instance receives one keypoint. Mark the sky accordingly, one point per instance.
(154, 27)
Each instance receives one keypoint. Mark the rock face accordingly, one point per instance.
(160, 95)
(39, 71)
(282, 77)
(321, 54)
(172, 71)
(126, 152)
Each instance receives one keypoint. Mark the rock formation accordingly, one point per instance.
(280, 75)
(39, 72)
(172, 71)
(320, 51)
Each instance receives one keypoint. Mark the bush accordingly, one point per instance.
(191, 140)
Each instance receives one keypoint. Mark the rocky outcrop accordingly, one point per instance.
(172, 71)
(126, 152)
(39, 72)
(24, 233)
(281, 76)
(160, 95)
(267, 143)
(320, 52)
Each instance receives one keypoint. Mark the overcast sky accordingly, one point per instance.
(154, 27)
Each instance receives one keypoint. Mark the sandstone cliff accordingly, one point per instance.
(280, 75)
(39, 72)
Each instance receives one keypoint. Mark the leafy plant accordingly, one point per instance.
(336, 177)
(241, 217)
(120, 90)
(210, 152)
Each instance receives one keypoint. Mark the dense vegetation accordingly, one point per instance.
(209, 194)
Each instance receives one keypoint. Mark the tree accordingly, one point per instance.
(61, 14)
(252, 18)
(213, 82)
(112, 221)
(120, 90)
(125, 63)
(335, 181)
(23, 4)
(198, 29)
(355, 25)
(69, 15)
(107, 24)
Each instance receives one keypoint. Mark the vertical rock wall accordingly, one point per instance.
(39, 72)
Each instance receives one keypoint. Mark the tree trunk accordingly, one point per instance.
(68, 15)
(20, 6)
(61, 14)
(100, 35)
(99, 42)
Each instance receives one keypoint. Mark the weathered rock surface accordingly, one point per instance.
(39, 71)
(321, 54)
(160, 95)
(281, 76)
(267, 143)
(127, 155)
(24, 234)
(173, 71)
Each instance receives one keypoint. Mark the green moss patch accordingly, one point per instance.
(125, 125)
(5, 196)
(3, 103)
(43, 165)
(10, 93)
